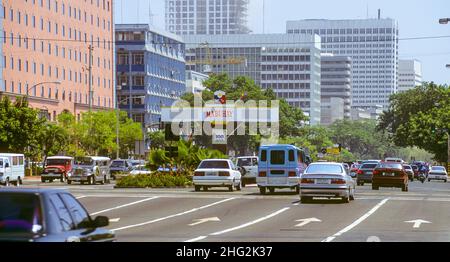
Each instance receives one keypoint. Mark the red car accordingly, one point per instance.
(57, 168)
(390, 174)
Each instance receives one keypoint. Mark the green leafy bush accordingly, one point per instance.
(155, 180)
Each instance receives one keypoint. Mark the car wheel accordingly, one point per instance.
(7, 182)
(69, 182)
(238, 187)
(230, 188)
(346, 199)
(262, 190)
(91, 180)
(51, 180)
(243, 183)
(62, 178)
(18, 182)
(429, 180)
(272, 190)
(305, 200)
(297, 189)
(205, 188)
(197, 188)
(352, 195)
(404, 188)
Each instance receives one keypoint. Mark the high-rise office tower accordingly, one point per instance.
(372, 45)
(409, 74)
(206, 17)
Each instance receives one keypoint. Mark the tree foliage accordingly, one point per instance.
(420, 117)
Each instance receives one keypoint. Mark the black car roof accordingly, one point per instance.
(31, 190)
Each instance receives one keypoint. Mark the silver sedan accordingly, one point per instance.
(329, 180)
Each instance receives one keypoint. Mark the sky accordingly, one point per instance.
(416, 18)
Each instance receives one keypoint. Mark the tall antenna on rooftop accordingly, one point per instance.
(264, 16)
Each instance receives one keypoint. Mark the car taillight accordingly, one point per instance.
(360, 172)
(307, 181)
(292, 174)
(376, 173)
(338, 181)
(224, 173)
(199, 173)
(262, 174)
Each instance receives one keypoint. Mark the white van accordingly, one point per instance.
(12, 169)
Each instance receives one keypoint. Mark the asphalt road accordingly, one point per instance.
(179, 215)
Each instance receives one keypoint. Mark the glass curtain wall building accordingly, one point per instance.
(150, 72)
(288, 64)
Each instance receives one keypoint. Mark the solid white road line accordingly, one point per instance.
(175, 215)
(80, 197)
(241, 226)
(357, 222)
(126, 205)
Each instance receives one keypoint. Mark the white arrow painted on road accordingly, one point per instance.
(204, 220)
(114, 220)
(418, 222)
(306, 221)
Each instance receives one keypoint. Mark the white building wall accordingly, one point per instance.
(409, 74)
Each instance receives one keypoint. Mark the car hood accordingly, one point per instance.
(56, 167)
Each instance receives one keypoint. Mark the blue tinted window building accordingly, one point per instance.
(150, 72)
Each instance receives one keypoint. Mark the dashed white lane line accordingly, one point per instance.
(357, 222)
(126, 205)
(241, 226)
(174, 215)
(80, 197)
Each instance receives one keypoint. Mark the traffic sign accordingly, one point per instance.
(333, 151)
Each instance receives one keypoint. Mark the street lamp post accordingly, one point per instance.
(38, 84)
(118, 123)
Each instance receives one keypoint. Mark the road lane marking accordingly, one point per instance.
(418, 222)
(357, 222)
(175, 215)
(204, 220)
(126, 205)
(80, 197)
(114, 220)
(241, 226)
(306, 221)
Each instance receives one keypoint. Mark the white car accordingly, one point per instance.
(328, 180)
(438, 173)
(140, 170)
(217, 173)
(249, 165)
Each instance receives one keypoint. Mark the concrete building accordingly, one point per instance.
(150, 72)
(335, 88)
(373, 113)
(288, 64)
(45, 54)
(194, 82)
(409, 74)
(373, 46)
(206, 17)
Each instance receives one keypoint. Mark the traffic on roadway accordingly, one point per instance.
(291, 200)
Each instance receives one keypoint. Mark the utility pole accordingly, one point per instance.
(91, 49)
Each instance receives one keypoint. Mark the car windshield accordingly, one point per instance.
(368, 166)
(244, 162)
(20, 213)
(84, 161)
(324, 169)
(407, 167)
(118, 164)
(213, 164)
(57, 162)
(415, 167)
(438, 168)
(136, 163)
(390, 165)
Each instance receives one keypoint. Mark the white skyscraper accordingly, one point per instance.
(372, 45)
(409, 74)
(207, 17)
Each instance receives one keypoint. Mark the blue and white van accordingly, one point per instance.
(12, 169)
(280, 166)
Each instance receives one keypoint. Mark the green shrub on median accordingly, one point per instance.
(155, 180)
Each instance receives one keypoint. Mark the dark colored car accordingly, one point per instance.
(409, 170)
(120, 166)
(416, 171)
(364, 174)
(48, 215)
(390, 175)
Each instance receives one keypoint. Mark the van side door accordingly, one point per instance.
(8, 170)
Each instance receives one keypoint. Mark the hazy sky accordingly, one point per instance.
(416, 18)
